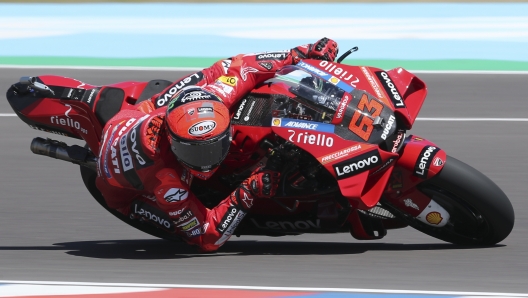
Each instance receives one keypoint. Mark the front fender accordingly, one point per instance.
(419, 160)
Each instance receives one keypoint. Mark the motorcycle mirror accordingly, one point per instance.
(352, 50)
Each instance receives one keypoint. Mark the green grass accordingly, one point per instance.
(455, 64)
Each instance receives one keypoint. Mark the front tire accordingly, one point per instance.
(480, 212)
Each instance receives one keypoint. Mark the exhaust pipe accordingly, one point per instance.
(59, 150)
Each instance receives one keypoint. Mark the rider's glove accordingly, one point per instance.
(263, 183)
(324, 49)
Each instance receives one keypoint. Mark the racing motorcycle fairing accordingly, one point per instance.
(342, 129)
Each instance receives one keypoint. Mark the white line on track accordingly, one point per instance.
(417, 119)
(349, 290)
(128, 68)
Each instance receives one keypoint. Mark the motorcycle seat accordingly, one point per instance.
(109, 103)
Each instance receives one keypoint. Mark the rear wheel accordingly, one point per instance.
(480, 212)
(89, 176)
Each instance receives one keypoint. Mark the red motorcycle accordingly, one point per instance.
(336, 132)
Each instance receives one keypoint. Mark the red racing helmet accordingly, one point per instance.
(199, 130)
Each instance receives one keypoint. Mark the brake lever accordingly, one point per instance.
(352, 50)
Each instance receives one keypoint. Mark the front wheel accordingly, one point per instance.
(480, 212)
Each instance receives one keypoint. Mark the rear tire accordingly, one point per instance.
(89, 176)
(480, 212)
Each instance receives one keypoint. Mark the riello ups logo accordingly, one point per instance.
(357, 164)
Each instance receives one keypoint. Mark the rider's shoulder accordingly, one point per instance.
(151, 131)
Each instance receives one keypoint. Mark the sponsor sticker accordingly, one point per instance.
(421, 168)
(140, 158)
(337, 155)
(231, 226)
(67, 120)
(373, 83)
(231, 81)
(409, 203)
(288, 225)
(194, 233)
(317, 139)
(187, 215)
(151, 214)
(272, 56)
(177, 212)
(338, 74)
(434, 218)
(390, 88)
(357, 164)
(342, 106)
(176, 195)
(397, 141)
(302, 124)
(240, 109)
(250, 110)
(193, 79)
(201, 128)
(388, 127)
(266, 65)
(228, 219)
(191, 224)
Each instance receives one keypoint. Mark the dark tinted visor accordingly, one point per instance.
(202, 156)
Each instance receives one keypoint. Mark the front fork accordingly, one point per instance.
(419, 160)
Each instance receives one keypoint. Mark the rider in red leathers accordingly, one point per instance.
(150, 154)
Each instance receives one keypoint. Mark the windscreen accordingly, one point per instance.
(317, 99)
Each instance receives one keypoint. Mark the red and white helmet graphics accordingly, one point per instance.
(195, 114)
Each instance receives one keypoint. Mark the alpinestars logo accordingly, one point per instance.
(245, 71)
(247, 200)
(176, 195)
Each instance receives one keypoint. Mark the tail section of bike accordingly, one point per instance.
(68, 107)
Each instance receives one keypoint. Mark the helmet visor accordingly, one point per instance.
(201, 156)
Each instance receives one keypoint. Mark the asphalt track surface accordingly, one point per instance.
(52, 230)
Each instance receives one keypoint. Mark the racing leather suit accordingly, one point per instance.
(139, 175)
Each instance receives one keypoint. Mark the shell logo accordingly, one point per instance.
(276, 122)
(434, 218)
(334, 80)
